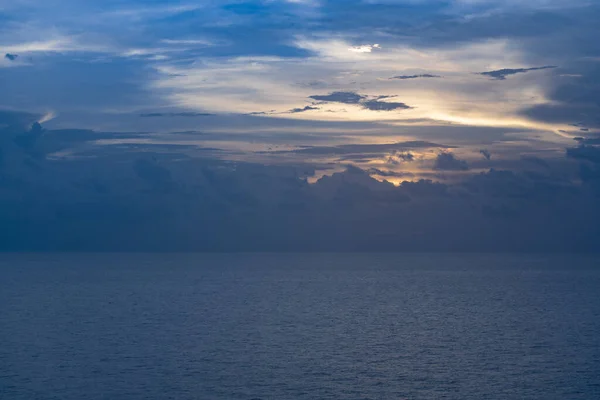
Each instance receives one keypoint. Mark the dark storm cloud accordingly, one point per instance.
(446, 161)
(501, 74)
(405, 77)
(11, 57)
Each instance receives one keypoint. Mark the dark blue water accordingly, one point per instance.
(247, 327)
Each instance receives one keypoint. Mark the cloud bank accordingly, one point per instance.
(119, 197)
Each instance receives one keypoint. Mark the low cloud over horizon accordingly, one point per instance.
(83, 190)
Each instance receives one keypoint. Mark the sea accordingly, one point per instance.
(299, 326)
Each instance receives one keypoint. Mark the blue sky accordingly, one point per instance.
(402, 89)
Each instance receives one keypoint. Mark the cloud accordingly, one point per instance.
(252, 83)
(446, 161)
(367, 48)
(398, 157)
(535, 161)
(239, 73)
(354, 188)
(157, 176)
(585, 152)
(161, 198)
(158, 11)
(486, 154)
(176, 114)
(501, 74)
(295, 110)
(425, 188)
(303, 109)
(11, 57)
(109, 63)
(575, 102)
(194, 42)
(18, 120)
(340, 97)
(373, 104)
(405, 77)
(593, 140)
(368, 148)
(53, 45)
(376, 105)
(506, 184)
(388, 173)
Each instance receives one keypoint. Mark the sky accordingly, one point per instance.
(300, 125)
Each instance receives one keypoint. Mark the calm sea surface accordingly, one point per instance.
(75, 327)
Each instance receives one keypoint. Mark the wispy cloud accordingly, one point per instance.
(501, 74)
(52, 45)
(365, 48)
(405, 77)
(156, 11)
